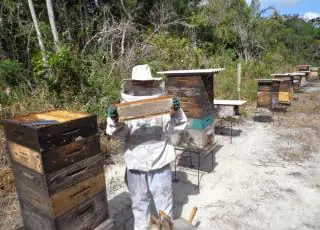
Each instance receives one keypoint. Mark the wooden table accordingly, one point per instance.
(228, 110)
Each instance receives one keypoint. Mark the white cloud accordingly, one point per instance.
(311, 15)
(281, 2)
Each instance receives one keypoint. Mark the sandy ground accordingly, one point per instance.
(268, 178)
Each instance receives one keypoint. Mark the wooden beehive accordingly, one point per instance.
(286, 87)
(264, 94)
(314, 72)
(305, 69)
(58, 170)
(196, 91)
(268, 93)
(297, 81)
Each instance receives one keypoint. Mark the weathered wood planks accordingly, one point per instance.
(55, 182)
(58, 170)
(196, 92)
(144, 108)
(49, 161)
(47, 137)
(86, 216)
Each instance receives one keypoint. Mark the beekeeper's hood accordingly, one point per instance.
(141, 85)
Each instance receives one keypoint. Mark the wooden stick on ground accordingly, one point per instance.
(192, 215)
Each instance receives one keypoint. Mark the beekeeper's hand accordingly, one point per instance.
(112, 112)
(175, 105)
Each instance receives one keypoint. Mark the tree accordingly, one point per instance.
(255, 6)
(37, 28)
(53, 24)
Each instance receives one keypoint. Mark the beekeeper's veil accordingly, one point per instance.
(142, 85)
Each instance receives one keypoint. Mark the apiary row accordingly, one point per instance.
(280, 89)
(58, 170)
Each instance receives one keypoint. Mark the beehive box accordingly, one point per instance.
(268, 93)
(58, 170)
(86, 216)
(286, 87)
(296, 84)
(195, 139)
(196, 91)
(297, 81)
(314, 72)
(49, 130)
(305, 69)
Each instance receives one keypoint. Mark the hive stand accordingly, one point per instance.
(228, 111)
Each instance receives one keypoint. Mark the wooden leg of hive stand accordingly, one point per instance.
(231, 132)
(190, 156)
(212, 161)
(273, 117)
(175, 170)
(198, 171)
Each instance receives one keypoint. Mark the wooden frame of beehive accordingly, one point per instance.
(286, 87)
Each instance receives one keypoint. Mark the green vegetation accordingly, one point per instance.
(97, 42)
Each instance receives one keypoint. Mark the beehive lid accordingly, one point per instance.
(297, 73)
(266, 80)
(303, 65)
(47, 118)
(190, 72)
(280, 74)
(229, 102)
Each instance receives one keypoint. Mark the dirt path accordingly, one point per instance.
(268, 178)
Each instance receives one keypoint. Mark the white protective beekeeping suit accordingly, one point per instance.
(148, 152)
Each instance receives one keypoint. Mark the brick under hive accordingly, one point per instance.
(58, 170)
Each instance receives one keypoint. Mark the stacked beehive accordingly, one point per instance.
(268, 93)
(304, 69)
(296, 84)
(58, 170)
(314, 72)
(297, 81)
(286, 87)
(195, 89)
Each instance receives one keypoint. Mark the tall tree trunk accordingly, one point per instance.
(67, 20)
(52, 24)
(36, 25)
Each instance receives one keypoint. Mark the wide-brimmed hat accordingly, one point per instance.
(142, 73)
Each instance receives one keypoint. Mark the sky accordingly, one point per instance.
(307, 8)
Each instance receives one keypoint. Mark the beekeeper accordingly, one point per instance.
(148, 146)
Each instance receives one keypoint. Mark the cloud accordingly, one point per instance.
(278, 2)
(311, 15)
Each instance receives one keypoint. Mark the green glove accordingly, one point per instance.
(112, 112)
(176, 103)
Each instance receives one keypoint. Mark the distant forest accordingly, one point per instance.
(74, 54)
